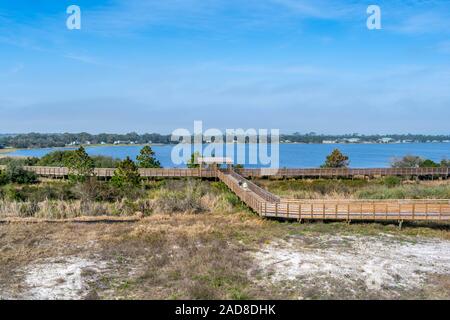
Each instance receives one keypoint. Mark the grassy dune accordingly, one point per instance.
(388, 188)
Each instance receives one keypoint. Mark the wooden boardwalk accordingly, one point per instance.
(345, 172)
(58, 172)
(267, 204)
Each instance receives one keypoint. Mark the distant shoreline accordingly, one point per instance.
(6, 152)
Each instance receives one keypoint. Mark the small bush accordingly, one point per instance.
(126, 175)
(12, 193)
(49, 191)
(392, 181)
(3, 179)
(15, 173)
(181, 196)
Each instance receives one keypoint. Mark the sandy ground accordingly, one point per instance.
(62, 278)
(221, 256)
(354, 266)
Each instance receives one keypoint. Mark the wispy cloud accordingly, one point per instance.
(82, 58)
(323, 9)
(15, 69)
(422, 23)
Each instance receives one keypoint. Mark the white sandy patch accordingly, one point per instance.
(61, 279)
(376, 263)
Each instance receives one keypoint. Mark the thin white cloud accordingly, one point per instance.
(14, 69)
(422, 23)
(82, 58)
(323, 9)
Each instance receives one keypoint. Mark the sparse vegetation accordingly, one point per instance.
(385, 188)
(54, 200)
(191, 256)
(194, 239)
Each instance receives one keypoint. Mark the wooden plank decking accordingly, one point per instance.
(401, 210)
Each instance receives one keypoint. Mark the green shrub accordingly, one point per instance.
(55, 159)
(146, 158)
(126, 175)
(59, 159)
(53, 191)
(15, 173)
(3, 178)
(105, 162)
(30, 161)
(12, 193)
(392, 181)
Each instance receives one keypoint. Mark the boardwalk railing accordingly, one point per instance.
(59, 172)
(249, 197)
(264, 194)
(361, 209)
(344, 172)
(304, 209)
(288, 173)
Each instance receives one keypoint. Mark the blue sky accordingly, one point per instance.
(158, 65)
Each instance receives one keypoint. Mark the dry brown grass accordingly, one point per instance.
(182, 196)
(164, 256)
(357, 189)
(179, 256)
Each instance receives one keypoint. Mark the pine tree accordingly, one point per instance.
(192, 163)
(336, 160)
(126, 174)
(80, 165)
(146, 158)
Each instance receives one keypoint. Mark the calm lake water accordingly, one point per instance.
(291, 155)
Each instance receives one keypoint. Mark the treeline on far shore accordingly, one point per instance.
(50, 140)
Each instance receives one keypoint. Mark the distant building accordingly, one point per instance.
(352, 140)
(385, 140)
(329, 141)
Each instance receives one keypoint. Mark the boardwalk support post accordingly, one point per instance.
(400, 224)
